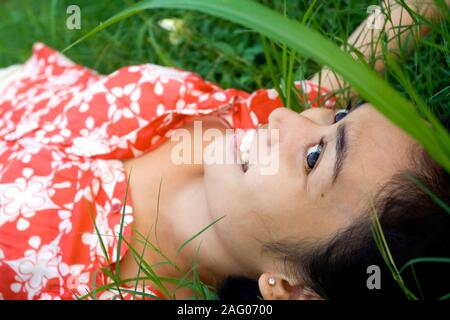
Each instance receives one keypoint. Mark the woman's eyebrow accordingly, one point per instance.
(341, 150)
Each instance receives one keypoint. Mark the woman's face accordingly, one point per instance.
(326, 173)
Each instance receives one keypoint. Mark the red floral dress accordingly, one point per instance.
(64, 130)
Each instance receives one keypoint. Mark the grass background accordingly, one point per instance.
(220, 51)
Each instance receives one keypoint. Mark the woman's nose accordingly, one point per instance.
(307, 124)
(320, 116)
(284, 117)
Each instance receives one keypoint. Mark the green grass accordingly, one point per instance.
(220, 51)
(235, 55)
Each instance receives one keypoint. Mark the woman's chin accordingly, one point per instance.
(220, 158)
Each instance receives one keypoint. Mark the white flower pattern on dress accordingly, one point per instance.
(39, 264)
(23, 198)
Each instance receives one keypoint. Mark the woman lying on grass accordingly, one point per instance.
(70, 140)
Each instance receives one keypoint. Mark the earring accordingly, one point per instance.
(271, 281)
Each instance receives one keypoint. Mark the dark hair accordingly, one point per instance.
(414, 223)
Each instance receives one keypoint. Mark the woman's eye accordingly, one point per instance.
(340, 114)
(312, 155)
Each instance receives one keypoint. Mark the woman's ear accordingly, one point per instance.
(277, 287)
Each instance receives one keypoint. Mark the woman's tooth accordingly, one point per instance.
(245, 156)
(245, 146)
(248, 137)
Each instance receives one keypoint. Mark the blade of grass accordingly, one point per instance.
(425, 260)
(273, 75)
(445, 297)
(156, 249)
(149, 270)
(382, 245)
(94, 283)
(416, 281)
(106, 287)
(120, 235)
(53, 20)
(102, 244)
(156, 236)
(184, 244)
(140, 293)
(407, 85)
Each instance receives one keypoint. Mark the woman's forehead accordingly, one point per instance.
(378, 150)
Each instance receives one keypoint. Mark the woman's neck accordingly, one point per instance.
(170, 206)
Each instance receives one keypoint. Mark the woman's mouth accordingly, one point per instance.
(243, 144)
